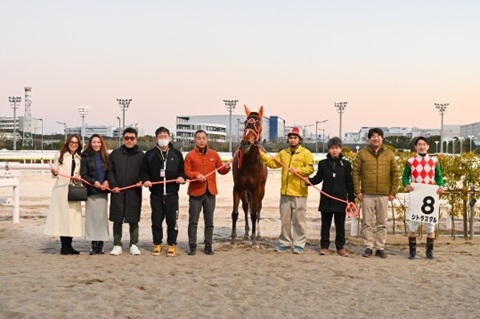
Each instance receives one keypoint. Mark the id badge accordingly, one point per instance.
(162, 172)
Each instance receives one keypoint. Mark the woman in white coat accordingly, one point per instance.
(64, 218)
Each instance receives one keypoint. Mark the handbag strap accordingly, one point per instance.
(73, 168)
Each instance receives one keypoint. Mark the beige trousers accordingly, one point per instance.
(293, 212)
(374, 209)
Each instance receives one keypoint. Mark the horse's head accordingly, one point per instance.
(253, 127)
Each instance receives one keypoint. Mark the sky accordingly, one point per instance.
(390, 60)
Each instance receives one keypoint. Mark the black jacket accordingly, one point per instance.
(124, 168)
(88, 172)
(153, 162)
(336, 175)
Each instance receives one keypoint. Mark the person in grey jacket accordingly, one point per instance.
(336, 175)
(125, 164)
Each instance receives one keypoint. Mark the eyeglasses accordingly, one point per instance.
(129, 138)
(74, 143)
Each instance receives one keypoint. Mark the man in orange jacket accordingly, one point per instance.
(198, 164)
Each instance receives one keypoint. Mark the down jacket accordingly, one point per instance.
(375, 173)
(124, 168)
(301, 160)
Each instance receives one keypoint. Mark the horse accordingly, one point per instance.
(249, 176)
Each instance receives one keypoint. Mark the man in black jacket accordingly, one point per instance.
(124, 168)
(162, 172)
(336, 174)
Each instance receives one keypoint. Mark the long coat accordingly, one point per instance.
(64, 218)
(124, 169)
(336, 175)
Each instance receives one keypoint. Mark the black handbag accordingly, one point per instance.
(77, 192)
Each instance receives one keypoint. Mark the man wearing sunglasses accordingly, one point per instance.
(125, 164)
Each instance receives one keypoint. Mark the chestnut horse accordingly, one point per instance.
(249, 176)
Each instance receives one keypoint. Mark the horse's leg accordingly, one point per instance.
(259, 199)
(236, 200)
(246, 207)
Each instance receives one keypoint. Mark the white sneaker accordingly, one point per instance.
(134, 250)
(117, 250)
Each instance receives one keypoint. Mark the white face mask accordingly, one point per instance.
(162, 143)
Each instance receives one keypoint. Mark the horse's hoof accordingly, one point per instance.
(245, 237)
(259, 238)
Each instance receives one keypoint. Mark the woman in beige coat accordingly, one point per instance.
(64, 218)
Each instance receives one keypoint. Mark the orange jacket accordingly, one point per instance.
(196, 163)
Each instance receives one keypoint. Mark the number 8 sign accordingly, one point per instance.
(423, 204)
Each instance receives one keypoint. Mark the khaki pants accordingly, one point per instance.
(293, 212)
(374, 208)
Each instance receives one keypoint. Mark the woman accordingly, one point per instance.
(336, 175)
(64, 218)
(94, 171)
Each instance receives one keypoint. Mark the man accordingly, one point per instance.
(426, 170)
(335, 174)
(200, 166)
(161, 164)
(125, 164)
(295, 160)
(375, 183)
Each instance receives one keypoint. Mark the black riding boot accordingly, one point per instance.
(70, 248)
(100, 248)
(64, 250)
(94, 248)
(430, 248)
(412, 244)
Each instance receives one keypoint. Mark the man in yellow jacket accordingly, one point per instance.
(294, 160)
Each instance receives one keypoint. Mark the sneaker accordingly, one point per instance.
(134, 250)
(171, 251)
(117, 250)
(282, 249)
(157, 250)
(324, 251)
(367, 253)
(342, 252)
(297, 250)
(381, 253)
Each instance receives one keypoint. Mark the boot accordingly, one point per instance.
(412, 244)
(100, 248)
(94, 248)
(64, 248)
(70, 248)
(430, 248)
(208, 250)
(193, 250)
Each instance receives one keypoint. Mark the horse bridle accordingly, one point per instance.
(253, 124)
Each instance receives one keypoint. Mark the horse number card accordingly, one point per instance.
(424, 203)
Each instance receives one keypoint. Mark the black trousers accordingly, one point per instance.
(164, 207)
(339, 229)
(197, 203)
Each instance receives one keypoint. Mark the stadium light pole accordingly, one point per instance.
(119, 131)
(83, 110)
(64, 128)
(316, 134)
(14, 100)
(442, 108)
(340, 106)
(230, 104)
(124, 104)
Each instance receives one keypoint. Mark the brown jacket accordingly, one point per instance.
(375, 174)
(196, 163)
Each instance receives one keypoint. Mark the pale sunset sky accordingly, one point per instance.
(390, 60)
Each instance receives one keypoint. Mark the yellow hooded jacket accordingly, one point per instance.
(301, 160)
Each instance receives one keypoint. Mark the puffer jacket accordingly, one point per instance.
(301, 160)
(375, 173)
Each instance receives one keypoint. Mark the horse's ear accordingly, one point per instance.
(260, 112)
(247, 110)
